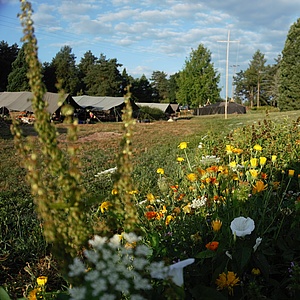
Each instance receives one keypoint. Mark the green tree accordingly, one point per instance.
(255, 75)
(160, 85)
(17, 79)
(198, 81)
(49, 77)
(8, 55)
(289, 88)
(253, 84)
(104, 78)
(127, 80)
(141, 90)
(66, 70)
(173, 87)
(86, 63)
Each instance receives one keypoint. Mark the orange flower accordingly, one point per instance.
(180, 197)
(213, 246)
(227, 281)
(259, 187)
(212, 169)
(174, 188)
(264, 175)
(237, 151)
(151, 215)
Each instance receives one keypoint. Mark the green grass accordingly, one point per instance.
(154, 146)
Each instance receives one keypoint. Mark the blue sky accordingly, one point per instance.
(157, 35)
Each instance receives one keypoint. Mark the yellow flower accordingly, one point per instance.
(192, 177)
(229, 149)
(32, 295)
(42, 280)
(164, 210)
(187, 209)
(180, 159)
(150, 197)
(274, 158)
(227, 281)
(232, 164)
(169, 218)
(216, 225)
(262, 160)
(104, 206)
(133, 192)
(257, 147)
(160, 171)
(259, 187)
(253, 173)
(255, 271)
(253, 162)
(291, 173)
(182, 145)
(114, 192)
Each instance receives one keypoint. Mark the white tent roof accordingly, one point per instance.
(161, 106)
(20, 101)
(99, 102)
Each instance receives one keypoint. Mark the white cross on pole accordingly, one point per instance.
(227, 61)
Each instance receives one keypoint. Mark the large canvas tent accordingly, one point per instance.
(105, 108)
(165, 107)
(219, 108)
(20, 102)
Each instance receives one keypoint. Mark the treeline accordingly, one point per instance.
(94, 76)
(195, 85)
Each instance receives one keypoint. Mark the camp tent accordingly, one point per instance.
(20, 102)
(165, 107)
(103, 107)
(219, 108)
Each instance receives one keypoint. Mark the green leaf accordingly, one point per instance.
(204, 292)
(3, 294)
(242, 257)
(205, 254)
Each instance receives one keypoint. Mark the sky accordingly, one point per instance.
(157, 35)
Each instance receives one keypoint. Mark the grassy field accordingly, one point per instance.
(99, 143)
(155, 145)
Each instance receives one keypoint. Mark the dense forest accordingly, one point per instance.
(196, 84)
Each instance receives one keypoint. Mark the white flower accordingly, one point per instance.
(139, 263)
(197, 203)
(131, 237)
(108, 171)
(92, 275)
(77, 267)
(114, 242)
(257, 243)
(91, 255)
(242, 226)
(77, 293)
(98, 241)
(175, 271)
(142, 250)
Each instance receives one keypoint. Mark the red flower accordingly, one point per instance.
(213, 246)
(151, 215)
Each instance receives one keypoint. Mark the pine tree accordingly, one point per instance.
(198, 81)
(289, 88)
(17, 79)
(8, 55)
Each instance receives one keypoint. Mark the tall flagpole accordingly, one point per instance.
(227, 59)
(227, 63)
